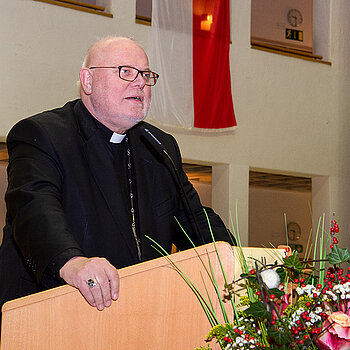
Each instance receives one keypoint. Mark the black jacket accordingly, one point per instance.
(62, 200)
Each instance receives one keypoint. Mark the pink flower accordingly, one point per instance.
(280, 306)
(337, 336)
(285, 301)
(345, 307)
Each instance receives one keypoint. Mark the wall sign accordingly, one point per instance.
(292, 34)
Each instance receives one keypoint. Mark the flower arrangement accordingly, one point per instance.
(293, 303)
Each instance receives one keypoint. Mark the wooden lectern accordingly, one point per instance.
(155, 309)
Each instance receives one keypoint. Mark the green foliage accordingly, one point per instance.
(257, 310)
(293, 262)
(284, 347)
(219, 332)
(311, 279)
(281, 273)
(267, 322)
(278, 293)
(279, 336)
(338, 255)
(204, 348)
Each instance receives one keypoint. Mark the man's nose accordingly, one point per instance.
(140, 80)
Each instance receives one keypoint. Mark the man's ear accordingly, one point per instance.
(86, 80)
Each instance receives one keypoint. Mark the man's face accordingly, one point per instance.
(116, 103)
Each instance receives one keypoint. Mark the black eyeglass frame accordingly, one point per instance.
(142, 72)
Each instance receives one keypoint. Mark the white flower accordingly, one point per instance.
(239, 340)
(318, 310)
(300, 311)
(300, 291)
(271, 278)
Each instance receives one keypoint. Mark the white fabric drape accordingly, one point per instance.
(170, 55)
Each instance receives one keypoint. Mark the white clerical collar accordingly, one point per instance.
(117, 138)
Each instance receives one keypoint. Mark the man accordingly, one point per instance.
(86, 185)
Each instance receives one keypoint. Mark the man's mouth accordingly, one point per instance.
(136, 98)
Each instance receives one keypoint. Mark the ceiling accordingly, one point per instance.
(203, 173)
(198, 173)
(278, 181)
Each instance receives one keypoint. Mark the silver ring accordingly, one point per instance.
(91, 283)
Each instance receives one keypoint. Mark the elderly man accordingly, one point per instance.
(86, 185)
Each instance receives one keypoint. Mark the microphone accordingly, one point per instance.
(159, 147)
(153, 140)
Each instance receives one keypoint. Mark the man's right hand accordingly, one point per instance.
(79, 270)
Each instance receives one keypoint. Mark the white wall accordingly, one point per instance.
(292, 117)
(292, 114)
(204, 190)
(42, 47)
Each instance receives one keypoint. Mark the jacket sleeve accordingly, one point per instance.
(34, 200)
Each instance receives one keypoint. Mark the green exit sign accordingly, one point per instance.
(293, 34)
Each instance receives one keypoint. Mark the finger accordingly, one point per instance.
(113, 277)
(97, 294)
(78, 271)
(105, 290)
(85, 290)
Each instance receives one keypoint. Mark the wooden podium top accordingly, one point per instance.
(155, 309)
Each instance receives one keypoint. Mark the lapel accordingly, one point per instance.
(99, 159)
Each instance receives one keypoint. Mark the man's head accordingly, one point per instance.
(116, 103)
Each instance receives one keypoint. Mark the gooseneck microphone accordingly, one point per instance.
(154, 141)
(159, 147)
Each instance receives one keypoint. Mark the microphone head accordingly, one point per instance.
(155, 143)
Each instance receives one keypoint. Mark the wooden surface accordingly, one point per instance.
(155, 310)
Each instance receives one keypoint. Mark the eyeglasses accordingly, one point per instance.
(130, 74)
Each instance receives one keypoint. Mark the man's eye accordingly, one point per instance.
(147, 74)
(125, 71)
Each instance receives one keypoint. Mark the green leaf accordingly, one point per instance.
(257, 310)
(338, 255)
(284, 347)
(252, 279)
(281, 273)
(278, 293)
(279, 336)
(293, 261)
(311, 280)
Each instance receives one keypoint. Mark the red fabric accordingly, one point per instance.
(213, 106)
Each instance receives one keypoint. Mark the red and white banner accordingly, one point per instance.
(189, 48)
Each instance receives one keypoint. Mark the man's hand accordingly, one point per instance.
(79, 270)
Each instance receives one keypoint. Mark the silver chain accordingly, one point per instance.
(132, 209)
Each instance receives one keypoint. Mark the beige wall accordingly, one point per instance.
(292, 118)
(269, 212)
(292, 114)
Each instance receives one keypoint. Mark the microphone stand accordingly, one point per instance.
(158, 146)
